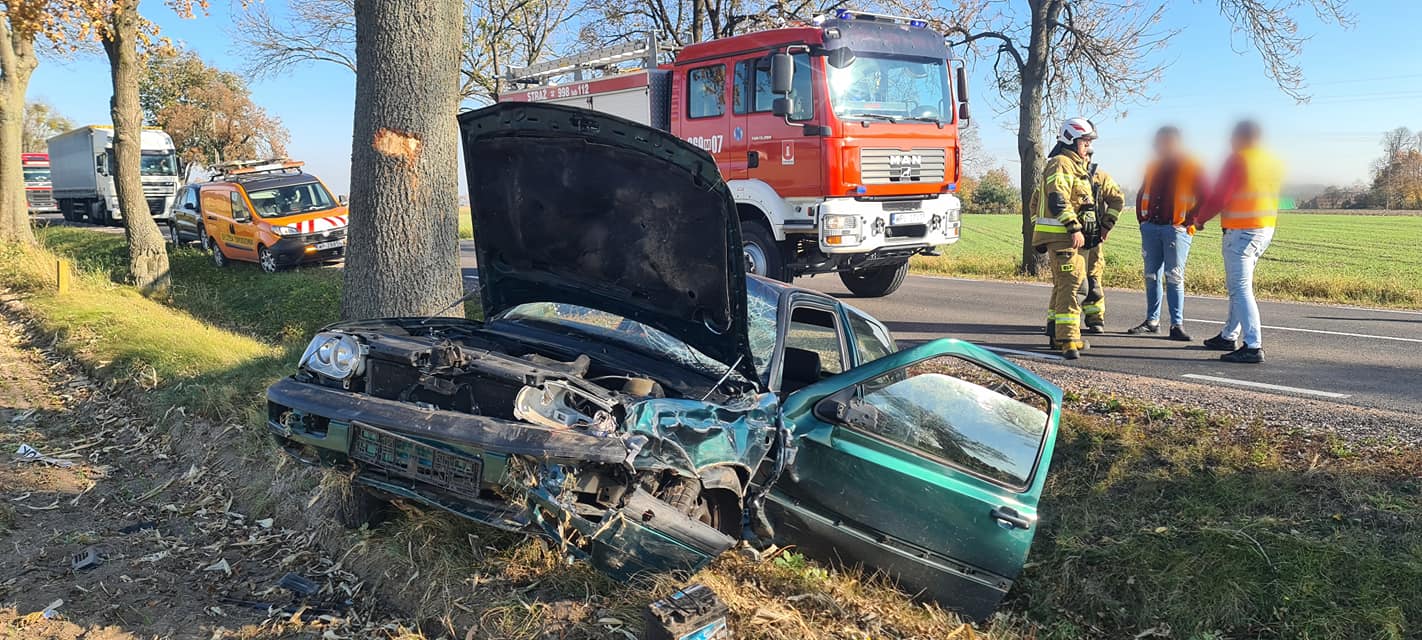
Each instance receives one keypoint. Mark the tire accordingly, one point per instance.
(876, 282)
(266, 260)
(99, 214)
(218, 257)
(173, 233)
(762, 254)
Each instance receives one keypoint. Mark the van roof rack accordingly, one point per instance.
(248, 168)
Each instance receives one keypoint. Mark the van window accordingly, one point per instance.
(802, 90)
(706, 92)
(239, 207)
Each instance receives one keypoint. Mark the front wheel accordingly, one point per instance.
(266, 259)
(761, 253)
(875, 282)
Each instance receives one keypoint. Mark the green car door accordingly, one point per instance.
(926, 464)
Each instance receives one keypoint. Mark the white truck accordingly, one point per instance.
(82, 169)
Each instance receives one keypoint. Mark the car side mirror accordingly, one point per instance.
(343, 200)
(781, 107)
(851, 411)
(782, 73)
(189, 206)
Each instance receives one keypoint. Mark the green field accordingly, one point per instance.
(1355, 259)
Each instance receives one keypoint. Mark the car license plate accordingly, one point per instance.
(912, 217)
(322, 246)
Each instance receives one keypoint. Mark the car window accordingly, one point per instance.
(871, 340)
(239, 206)
(802, 88)
(291, 199)
(740, 87)
(706, 91)
(963, 414)
(762, 315)
(816, 330)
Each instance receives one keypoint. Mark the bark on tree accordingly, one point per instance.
(147, 250)
(17, 63)
(403, 240)
(1029, 125)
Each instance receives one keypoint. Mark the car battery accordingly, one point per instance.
(693, 613)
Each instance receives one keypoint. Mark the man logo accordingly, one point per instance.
(906, 165)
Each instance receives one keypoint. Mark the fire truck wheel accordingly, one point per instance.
(876, 282)
(762, 254)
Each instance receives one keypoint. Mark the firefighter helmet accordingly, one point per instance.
(1076, 128)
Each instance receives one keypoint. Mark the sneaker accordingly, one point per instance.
(1244, 355)
(1218, 343)
(1177, 333)
(1144, 327)
(1096, 328)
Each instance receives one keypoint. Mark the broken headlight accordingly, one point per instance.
(334, 355)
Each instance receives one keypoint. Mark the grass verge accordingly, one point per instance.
(1158, 520)
(1368, 260)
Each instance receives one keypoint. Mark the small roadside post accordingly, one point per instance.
(61, 275)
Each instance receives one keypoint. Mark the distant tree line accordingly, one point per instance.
(1396, 178)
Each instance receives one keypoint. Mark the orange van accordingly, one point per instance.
(272, 214)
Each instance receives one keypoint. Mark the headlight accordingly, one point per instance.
(840, 222)
(334, 355)
(285, 230)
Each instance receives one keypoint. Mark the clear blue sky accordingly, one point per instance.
(1364, 81)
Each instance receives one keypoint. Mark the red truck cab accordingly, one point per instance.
(39, 191)
(839, 139)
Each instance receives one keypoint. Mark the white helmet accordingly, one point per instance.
(1076, 128)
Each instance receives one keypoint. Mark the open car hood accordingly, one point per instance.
(584, 208)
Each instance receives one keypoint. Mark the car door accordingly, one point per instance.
(926, 464)
(185, 214)
(791, 158)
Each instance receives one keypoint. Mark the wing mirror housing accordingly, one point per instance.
(189, 206)
(782, 73)
(963, 114)
(781, 107)
(850, 411)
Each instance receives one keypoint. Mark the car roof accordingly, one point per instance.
(267, 180)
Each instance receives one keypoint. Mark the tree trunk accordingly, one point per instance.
(1029, 124)
(403, 241)
(17, 63)
(147, 250)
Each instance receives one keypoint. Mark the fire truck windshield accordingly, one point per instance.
(159, 163)
(36, 174)
(891, 89)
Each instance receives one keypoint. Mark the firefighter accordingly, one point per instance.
(1064, 203)
(1107, 196)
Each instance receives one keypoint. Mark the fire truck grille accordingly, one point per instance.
(40, 199)
(897, 166)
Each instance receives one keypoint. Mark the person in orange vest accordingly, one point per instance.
(1247, 200)
(1166, 206)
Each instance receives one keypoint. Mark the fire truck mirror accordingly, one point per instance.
(840, 58)
(781, 107)
(782, 74)
(963, 115)
(963, 86)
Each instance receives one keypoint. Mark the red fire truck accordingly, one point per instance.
(838, 138)
(39, 192)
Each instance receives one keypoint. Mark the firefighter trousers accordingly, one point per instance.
(1068, 270)
(1093, 308)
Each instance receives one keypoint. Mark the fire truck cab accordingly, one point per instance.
(39, 191)
(839, 139)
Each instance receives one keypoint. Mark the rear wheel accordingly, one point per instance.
(99, 214)
(761, 253)
(218, 257)
(875, 282)
(266, 259)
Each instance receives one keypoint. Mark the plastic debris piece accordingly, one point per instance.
(86, 559)
(265, 523)
(139, 526)
(26, 453)
(220, 565)
(299, 585)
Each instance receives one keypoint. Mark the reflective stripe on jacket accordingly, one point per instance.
(1255, 205)
(1187, 174)
(1065, 176)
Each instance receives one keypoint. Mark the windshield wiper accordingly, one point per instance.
(925, 119)
(874, 115)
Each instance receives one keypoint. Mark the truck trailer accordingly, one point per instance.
(39, 193)
(838, 138)
(82, 169)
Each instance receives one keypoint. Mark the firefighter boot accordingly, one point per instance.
(1094, 306)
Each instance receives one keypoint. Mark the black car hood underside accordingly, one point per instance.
(584, 208)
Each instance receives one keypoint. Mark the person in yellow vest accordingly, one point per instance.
(1109, 198)
(1166, 206)
(1061, 200)
(1246, 198)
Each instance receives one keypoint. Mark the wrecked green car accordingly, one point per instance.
(638, 399)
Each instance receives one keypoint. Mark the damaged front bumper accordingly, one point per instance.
(503, 473)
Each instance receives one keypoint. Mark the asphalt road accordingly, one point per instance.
(1359, 356)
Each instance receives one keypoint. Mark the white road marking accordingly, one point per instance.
(1025, 354)
(1265, 385)
(1330, 333)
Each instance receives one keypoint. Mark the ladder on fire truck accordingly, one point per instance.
(645, 49)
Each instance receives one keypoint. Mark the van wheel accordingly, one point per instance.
(875, 282)
(762, 255)
(218, 258)
(266, 259)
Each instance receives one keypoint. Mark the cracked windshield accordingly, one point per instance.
(890, 88)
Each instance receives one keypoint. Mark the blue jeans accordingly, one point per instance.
(1242, 249)
(1164, 248)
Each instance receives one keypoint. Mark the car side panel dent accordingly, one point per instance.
(691, 436)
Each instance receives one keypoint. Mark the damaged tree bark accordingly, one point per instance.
(404, 249)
